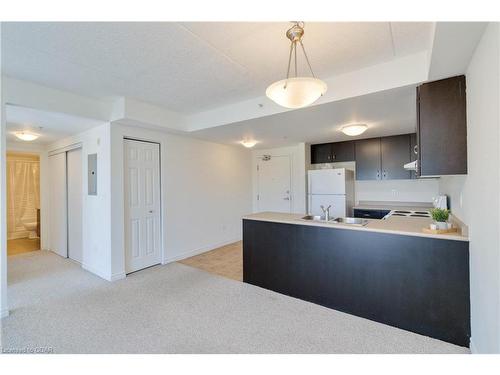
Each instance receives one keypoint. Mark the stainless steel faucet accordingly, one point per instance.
(326, 211)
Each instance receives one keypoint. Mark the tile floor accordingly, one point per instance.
(226, 261)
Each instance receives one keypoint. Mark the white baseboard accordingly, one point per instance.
(118, 276)
(97, 272)
(198, 251)
(4, 313)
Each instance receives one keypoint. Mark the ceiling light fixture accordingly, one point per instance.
(248, 143)
(26, 136)
(353, 130)
(296, 92)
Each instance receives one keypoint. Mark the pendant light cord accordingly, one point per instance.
(293, 50)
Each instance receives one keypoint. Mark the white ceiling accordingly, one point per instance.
(190, 67)
(386, 113)
(53, 125)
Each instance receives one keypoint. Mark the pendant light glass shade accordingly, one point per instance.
(26, 136)
(296, 92)
(354, 130)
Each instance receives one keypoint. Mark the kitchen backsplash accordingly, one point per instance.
(422, 190)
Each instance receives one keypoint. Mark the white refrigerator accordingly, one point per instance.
(333, 187)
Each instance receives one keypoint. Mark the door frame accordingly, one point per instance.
(160, 182)
(259, 158)
(64, 150)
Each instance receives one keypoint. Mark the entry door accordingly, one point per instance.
(142, 205)
(274, 179)
(58, 209)
(74, 181)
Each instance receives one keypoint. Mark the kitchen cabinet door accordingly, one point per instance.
(442, 127)
(321, 153)
(395, 153)
(343, 151)
(368, 161)
(413, 152)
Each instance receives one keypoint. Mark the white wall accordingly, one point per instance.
(206, 189)
(298, 159)
(4, 311)
(397, 190)
(96, 217)
(480, 191)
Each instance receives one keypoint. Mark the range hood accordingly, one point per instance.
(411, 166)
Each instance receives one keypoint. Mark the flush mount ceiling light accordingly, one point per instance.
(296, 92)
(26, 136)
(353, 130)
(248, 143)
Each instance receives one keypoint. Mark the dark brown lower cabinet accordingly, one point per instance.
(415, 283)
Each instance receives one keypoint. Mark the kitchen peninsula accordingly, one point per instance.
(388, 270)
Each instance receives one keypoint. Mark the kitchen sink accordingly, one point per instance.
(313, 218)
(351, 221)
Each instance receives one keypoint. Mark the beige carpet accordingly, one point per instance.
(179, 309)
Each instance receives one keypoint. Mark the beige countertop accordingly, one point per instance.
(409, 226)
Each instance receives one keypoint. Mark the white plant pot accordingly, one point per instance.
(441, 225)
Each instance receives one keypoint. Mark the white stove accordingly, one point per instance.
(408, 213)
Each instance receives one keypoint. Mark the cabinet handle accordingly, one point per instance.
(333, 156)
(378, 174)
(384, 175)
(415, 150)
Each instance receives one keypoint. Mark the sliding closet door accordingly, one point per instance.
(74, 175)
(58, 209)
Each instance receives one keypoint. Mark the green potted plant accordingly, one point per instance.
(440, 217)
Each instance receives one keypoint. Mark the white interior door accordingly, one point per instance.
(58, 209)
(142, 205)
(74, 183)
(274, 180)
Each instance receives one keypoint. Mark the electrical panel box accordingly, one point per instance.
(92, 174)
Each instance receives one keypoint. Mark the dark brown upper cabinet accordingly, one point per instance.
(413, 152)
(343, 151)
(395, 152)
(332, 152)
(368, 160)
(442, 127)
(321, 153)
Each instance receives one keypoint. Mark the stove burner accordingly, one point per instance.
(402, 212)
(419, 215)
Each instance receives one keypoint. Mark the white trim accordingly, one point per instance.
(118, 276)
(66, 148)
(201, 250)
(4, 313)
(96, 272)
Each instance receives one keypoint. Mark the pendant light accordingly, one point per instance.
(296, 92)
(26, 136)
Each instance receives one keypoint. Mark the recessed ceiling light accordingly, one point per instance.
(248, 143)
(26, 136)
(353, 130)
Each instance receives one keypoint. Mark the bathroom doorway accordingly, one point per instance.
(23, 203)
